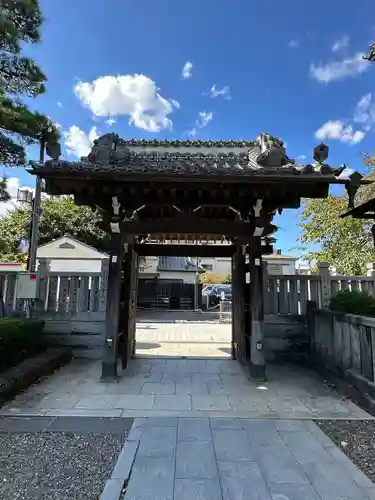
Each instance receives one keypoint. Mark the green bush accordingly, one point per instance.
(354, 302)
(20, 338)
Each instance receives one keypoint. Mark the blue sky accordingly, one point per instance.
(211, 70)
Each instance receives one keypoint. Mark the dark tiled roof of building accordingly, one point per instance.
(266, 155)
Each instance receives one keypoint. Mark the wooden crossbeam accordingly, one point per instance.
(194, 227)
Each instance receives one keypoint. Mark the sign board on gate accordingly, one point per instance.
(26, 285)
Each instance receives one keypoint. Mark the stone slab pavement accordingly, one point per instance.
(157, 387)
(234, 459)
(191, 339)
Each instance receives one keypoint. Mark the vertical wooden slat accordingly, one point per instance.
(52, 294)
(283, 296)
(83, 301)
(94, 294)
(73, 293)
(371, 287)
(303, 294)
(346, 345)
(355, 347)
(273, 303)
(314, 291)
(335, 286)
(63, 301)
(366, 352)
(10, 292)
(345, 284)
(293, 296)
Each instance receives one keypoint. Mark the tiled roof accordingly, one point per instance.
(111, 154)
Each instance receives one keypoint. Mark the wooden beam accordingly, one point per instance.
(196, 226)
(155, 250)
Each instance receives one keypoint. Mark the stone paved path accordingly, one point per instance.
(239, 459)
(191, 339)
(183, 388)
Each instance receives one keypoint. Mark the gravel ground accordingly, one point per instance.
(56, 465)
(356, 438)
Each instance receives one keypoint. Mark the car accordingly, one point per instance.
(220, 292)
(207, 289)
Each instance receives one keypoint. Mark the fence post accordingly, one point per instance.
(371, 272)
(325, 284)
(43, 269)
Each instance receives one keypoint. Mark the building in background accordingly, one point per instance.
(185, 269)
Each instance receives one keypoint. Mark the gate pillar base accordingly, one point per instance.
(258, 373)
(109, 371)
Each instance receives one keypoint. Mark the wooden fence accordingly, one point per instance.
(343, 342)
(289, 294)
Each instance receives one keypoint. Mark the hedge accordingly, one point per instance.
(354, 302)
(20, 339)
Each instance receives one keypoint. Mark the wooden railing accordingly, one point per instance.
(362, 283)
(288, 294)
(343, 342)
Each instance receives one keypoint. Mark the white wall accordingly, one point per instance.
(223, 266)
(69, 255)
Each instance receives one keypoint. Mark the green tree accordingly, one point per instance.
(345, 243)
(210, 278)
(59, 216)
(20, 22)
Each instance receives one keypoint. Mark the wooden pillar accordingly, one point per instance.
(110, 348)
(128, 305)
(238, 304)
(257, 362)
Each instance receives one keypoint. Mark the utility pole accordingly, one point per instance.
(35, 214)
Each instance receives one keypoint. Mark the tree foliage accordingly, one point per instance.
(60, 216)
(345, 243)
(210, 278)
(20, 76)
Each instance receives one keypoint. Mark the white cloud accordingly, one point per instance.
(135, 96)
(110, 122)
(59, 104)
(341, 43)
(192, 132)
(301, 157)
(365, 112)
(223, 92)
(204, 119)
(338, 131)
(77, 142)
(293, 43)
(338, 70)
(187, 70)
(13, 185)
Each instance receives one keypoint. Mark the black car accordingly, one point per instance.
(220, 292)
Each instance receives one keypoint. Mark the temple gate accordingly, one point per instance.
(153, 192)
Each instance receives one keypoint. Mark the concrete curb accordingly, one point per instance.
(114, 487)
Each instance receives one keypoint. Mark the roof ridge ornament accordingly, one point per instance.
(371, 53)
(269, 152)
(108, 149)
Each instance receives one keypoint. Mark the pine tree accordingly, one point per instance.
(20, 22)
